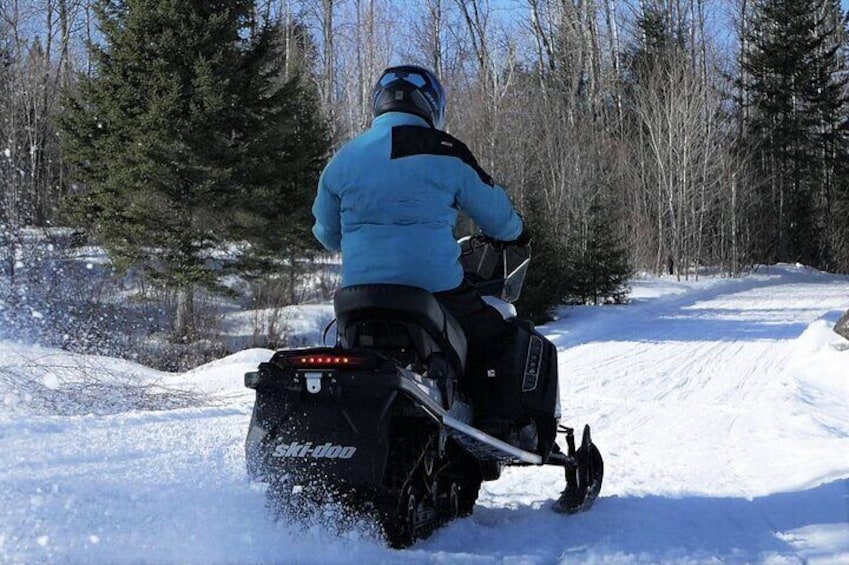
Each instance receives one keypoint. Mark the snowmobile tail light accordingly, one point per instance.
(326, 361)
(325, 358)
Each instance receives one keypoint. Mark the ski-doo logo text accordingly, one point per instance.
(325, 451)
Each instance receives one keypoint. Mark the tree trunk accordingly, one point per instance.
(184, 322)
(328, 75)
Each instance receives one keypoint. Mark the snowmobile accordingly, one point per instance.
(380, 419)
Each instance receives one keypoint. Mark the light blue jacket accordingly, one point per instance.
(389, 198)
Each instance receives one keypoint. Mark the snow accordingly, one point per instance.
(303, 325)
(719, 406)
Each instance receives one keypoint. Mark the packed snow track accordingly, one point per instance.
(720, 406)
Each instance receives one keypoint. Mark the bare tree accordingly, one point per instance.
(37, 65)
(328, 85)
(425, 41)
(492, 55)
(615, 54)
(321, 14)
(685, 157)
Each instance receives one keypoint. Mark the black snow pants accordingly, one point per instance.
(488, 336)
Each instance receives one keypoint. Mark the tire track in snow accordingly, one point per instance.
(694, 372)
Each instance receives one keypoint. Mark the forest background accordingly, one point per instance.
(184, 139)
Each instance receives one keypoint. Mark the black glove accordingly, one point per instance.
(523, 239)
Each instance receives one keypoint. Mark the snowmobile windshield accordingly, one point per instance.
(493, 268)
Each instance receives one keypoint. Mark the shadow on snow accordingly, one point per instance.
(650, 527)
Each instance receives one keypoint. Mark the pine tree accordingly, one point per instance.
(599, 270)
(831, 100)
(796, 88)
(656, 39)
(188, 137)
(546, 283)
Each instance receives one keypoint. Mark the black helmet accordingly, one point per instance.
(410, 89)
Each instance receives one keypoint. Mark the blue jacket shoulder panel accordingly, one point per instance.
(389, 198)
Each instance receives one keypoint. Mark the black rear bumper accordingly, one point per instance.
(331, 425)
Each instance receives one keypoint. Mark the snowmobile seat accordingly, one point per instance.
(359, 303)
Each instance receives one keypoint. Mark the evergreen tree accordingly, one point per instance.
(188, 137)
(546, 284)
(795, 84)
(655, 40)
(590, 266)
(599, 270)
(831, 99)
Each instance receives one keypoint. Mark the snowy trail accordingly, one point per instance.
(719, 405)
(712, 373)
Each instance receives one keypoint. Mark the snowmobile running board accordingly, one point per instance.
(584, 467)
(469, 431)
(478, 442)
(470, 437)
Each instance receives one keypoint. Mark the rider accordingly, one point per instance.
(389, 201)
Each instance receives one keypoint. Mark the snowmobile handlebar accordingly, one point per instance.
(500, 244)
(494, 268)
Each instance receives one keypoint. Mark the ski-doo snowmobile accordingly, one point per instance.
(381, 421)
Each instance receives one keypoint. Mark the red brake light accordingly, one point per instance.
(330, 361)
(319, 360)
